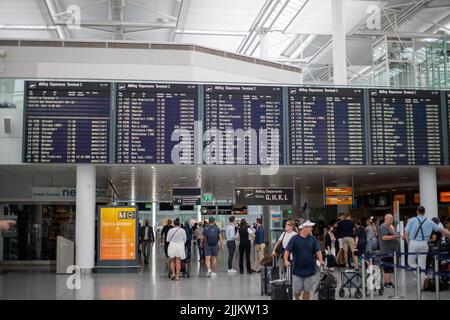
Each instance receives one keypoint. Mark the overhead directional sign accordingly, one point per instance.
(264, 196)
(187, 196)
(187, 201)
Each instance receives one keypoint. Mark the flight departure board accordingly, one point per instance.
(406, 127)
(66, 122)
(246, 123)
(327, 126)
(149, 115)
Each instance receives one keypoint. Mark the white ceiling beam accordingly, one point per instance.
(92, 23)
(182, 16)
(53, 11)
(156, 12)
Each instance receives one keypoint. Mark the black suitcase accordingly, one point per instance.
(326, 294)
(281, 289)
(268, 274)
(326, 288)
(331, 261)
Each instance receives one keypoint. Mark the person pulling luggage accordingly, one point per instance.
(176, 237)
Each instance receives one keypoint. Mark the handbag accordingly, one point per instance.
(280, 250)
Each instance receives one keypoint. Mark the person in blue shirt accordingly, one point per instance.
(305, 250)
(418, 233)
(259, 245)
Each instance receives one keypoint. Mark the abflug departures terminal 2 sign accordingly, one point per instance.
(67, 122)
(264, 196)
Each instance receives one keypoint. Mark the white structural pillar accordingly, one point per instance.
(264, 45)
(85, 217)
(428, 190)
(339, 43)
(2, 212)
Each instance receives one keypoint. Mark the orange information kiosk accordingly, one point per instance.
(117, 239)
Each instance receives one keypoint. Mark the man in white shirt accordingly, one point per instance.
(230, 231)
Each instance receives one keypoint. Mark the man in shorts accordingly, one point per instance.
(389, 243)
(305, 250)
(211, 240)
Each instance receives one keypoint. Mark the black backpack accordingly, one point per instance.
(211, 235)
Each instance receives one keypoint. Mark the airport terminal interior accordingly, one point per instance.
(136, 135)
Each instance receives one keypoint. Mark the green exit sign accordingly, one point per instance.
(148, 206)
(207, 197)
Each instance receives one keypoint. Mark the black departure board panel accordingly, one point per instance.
(66, 122)
(447, 98)
(327, 126)
(147, 116)
(250, 120)
(406, 127)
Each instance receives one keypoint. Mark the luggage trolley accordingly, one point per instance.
(351, 279)
(184, 269)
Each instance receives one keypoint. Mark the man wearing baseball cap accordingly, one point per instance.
(305, 250)
(211, 239)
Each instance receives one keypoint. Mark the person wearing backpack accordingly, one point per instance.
(211, 241)
(418, 233)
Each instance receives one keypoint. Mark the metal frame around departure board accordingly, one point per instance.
(24, 121)
(445, 129)
(368, 127)
(113, 124)
(199, 145)
(286, 126)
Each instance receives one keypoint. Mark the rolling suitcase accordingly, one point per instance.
(268, 274)
(326, 288)
(281, 289)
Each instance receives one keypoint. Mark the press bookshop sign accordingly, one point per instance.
(63, 194)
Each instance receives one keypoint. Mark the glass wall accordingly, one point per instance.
(34, 236)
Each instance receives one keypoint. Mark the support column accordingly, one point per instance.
(339, 43)
(428, 190)
(2, 212)
(341, 183)
(85, 217)
(303, 199)
(37, 230)
(266, 221)
(264, 45)
(154, 203)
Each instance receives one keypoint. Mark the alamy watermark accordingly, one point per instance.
(72, 17)
(373, 22)
(73, 282)
(229, 147)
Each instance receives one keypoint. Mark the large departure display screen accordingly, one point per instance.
(327, 126)
(246, 123)
(155, 123)
(66, 122)
(406, 127)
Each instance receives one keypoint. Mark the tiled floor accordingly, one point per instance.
(152, 283)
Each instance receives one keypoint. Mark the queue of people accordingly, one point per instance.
(208, 239)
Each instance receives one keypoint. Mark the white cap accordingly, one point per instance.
(307, 223)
